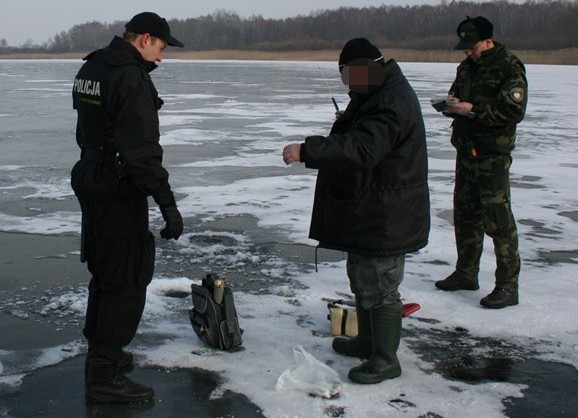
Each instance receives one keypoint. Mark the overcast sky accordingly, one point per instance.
(39, 20)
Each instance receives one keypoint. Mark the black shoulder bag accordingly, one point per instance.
(215, 321)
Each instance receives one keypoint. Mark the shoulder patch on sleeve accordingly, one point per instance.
(517, 94)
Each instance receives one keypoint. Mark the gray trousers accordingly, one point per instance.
(375, 280)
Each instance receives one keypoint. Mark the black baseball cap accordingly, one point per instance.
(473, 30)
(149, 22)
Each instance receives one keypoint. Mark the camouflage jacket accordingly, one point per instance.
(497, 87)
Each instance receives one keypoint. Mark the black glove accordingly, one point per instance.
(174, 222)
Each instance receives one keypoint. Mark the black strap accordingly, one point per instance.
(344, 321)
(229, 310)
(316, 248)
(83, 239)
(335, 302)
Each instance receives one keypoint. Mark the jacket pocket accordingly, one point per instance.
(356, 221)
(111, 262)
(147, 260)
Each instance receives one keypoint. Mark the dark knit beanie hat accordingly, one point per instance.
(359, 48)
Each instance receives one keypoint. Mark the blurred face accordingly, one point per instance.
(362, 75)
(152, 48)
(475, 52)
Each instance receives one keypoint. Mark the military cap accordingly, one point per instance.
(473, 30)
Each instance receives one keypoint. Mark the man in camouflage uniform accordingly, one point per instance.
(489, 97)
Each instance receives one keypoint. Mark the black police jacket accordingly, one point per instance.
(118, 127)
(372, 195)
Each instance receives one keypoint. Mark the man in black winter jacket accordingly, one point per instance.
(371, 199)
(120, 166)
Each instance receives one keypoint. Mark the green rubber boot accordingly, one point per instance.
(386, 334)
(360, 345)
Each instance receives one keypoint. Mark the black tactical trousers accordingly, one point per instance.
(482, 206)
(120, 254)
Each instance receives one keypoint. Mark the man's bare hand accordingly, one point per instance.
(291, 153)
(459, 108)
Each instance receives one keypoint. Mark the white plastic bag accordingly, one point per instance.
(310, 375)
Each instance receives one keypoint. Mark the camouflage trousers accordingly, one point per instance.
(482, 206)
(375, 280)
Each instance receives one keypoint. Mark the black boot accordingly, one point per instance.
(105, 384)
(386, 334)
(126, 363)
(456, 282)
(500, 298)
(360, 345)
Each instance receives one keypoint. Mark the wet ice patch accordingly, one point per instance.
(160, 300)
(15, 364)
(179, 119)
(241, 160)
(280, 202)
(189, 96)
(65, 305)
(8, 383)
(56, 223)
(189, 136)
(217, 248)
(57, 307)
(11, 167)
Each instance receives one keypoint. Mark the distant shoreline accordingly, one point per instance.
(556, 57)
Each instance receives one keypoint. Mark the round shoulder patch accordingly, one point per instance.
(517, 94)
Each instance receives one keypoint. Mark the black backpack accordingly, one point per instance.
(216, 324)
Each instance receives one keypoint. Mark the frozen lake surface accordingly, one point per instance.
(224, 125)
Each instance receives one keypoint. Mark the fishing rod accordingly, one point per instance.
(329, 88)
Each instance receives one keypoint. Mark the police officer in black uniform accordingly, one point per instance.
(120, 166)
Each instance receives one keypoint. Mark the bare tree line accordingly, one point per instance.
(533, 25)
